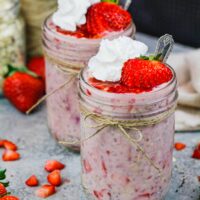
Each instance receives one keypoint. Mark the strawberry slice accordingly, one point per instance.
(37, 65)
(9, 198)
(3, 190)
(52, 165)
(144, 74)
(1, 143)
(9, 145)
(32, 181)
(179, 146)
(9, 155)
(196, 153)
(54, 178)
(45, 191)
(106, 17)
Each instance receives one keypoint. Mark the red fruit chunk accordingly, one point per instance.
(9, 198)
(179, 146)
(45, 191)
(9, 155)
(23, 90)
(37, 65)
(87, 166)
(99, 195)
(3, 190)
(145, 74)
(1, 143)
(106, 17)
(52, 165)
(196, 153)
(9, 145)
(32, 181)
(54, 178)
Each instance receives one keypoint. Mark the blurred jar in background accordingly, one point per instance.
(12, 33)
(34, 12)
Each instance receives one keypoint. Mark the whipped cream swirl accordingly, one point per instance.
(108, 63)
(71, 13)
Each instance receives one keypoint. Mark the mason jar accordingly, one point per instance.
(127, 141)
(65, 56)
(12, 35)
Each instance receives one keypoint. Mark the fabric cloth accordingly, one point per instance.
(187, 67)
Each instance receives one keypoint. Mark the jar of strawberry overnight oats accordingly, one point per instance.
(66, 53)
(127, 134)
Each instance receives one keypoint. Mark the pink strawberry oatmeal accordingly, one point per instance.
(112, 166)
(70, 46)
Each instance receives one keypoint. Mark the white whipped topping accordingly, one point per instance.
(108, 63)
(71, 13)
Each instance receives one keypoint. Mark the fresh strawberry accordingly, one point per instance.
(106, 17)
(196, 153)
(179, 146)
(37, 65)
(23, 90)
(52, 165)
(87, 166)
(9, 145)
(54, 178)
(9, 198)
(45, 191)
(145, 74)
(9, 155)
(3, 190)
(32, 181)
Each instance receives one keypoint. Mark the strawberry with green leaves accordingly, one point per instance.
(3, 184)
(23, 88)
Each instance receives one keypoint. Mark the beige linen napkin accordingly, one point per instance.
(187, 67)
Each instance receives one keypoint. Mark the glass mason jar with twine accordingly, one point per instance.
(35, 12)
(12, 33)
(127, 141)
(65, 57)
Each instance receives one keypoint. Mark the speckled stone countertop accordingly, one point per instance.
(36, 146)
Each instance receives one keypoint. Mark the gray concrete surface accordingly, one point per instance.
(36, 146)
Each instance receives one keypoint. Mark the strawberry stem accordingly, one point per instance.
(3, 177)
(151, 57)
(23, 69)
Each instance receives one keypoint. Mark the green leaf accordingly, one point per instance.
(6, 184)
(2, 174)
(111, 1)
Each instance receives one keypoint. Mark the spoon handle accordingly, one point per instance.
(125, 3)
(164, 47)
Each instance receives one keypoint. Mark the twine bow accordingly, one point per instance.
(124, 125)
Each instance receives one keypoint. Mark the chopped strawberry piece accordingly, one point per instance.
(196, 153)
(9, 155)
(9, 145)
(37, 65)
(179, 146)
(54, 178)
(87, 166)
(9, 198)
(99, 195)
(45, 191)
(52, 165)
(3, 190)
(32, 181)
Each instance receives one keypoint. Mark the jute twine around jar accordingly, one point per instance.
(125, 125)
(71, 69)
(35, 12)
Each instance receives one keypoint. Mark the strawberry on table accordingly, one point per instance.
(106, 17)
(196, 152)
(32, 181)
(9, 145)
(9, 198)
(54, 178)
(37, 65)
(3, 190)
(52, 165)
(179, 146)
(145, 74)
(45, 191)
(9, 155)
(23, 88)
